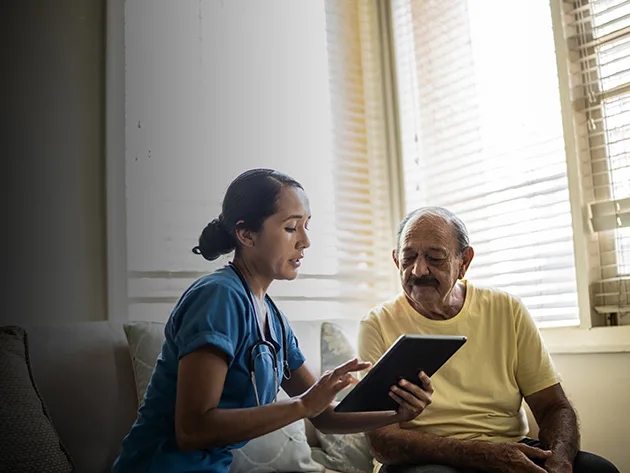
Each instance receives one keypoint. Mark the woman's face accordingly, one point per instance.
(279, 246)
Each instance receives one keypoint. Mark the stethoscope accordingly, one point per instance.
(264, 343)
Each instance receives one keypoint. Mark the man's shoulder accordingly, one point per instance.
(385, 309)
(492, 296)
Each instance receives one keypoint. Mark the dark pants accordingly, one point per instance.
(584, 463)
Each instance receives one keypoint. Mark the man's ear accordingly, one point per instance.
(395, 258)
(244, 236)
(467, 256)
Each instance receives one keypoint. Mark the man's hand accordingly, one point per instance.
(515, 458)
(556, 464)
(411, 399)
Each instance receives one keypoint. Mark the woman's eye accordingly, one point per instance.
(290, 230)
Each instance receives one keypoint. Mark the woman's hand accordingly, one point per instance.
(411, 398)
(318, 397)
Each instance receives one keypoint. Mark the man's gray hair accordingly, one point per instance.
(461, 233)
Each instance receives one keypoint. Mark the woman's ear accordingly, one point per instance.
(244, 236)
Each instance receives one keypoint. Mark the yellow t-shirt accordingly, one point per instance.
(479, 391)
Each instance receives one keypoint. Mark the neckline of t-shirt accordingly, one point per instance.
(440, 323)
(270, 334)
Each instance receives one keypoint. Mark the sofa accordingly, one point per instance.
(85, 375)
(88, 378)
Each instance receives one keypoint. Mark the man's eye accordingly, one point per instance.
(434, 260)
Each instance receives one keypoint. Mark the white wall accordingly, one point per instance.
(212, 89)
(599, 387)
(51, 119)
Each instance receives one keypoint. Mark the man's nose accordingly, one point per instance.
(420, 267)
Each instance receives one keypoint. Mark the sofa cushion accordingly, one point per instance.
(284, 450)
(84, 374)
(28, 440)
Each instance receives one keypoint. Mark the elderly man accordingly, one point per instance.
(475, 422)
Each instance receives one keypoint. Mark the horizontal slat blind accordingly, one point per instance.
(362, 214)
(482, 135)
(598, 33)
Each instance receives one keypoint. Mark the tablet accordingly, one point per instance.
(409, 355)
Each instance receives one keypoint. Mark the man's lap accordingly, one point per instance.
(584, 463)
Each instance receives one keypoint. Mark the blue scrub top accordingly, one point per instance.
(215, 310)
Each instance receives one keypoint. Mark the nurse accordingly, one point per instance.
(228, 349)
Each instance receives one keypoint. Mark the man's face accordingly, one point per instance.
(428, 260)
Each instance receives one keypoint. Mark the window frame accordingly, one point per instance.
(587, 338)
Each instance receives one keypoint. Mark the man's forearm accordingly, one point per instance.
(399, 447)
(559, 432)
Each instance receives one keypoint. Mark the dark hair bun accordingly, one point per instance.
(215, 240)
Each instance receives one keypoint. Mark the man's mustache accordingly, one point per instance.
(423, 281)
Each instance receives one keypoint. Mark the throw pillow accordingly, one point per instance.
(335, 350)
(28, 439)
(285, 450)
(349, 453)
(145, 344)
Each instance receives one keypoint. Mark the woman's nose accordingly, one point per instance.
(305, 241)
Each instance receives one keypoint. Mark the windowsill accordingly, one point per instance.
(576, 340)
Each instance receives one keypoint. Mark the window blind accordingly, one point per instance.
(481, 134)
(360, 221)
(598, 36)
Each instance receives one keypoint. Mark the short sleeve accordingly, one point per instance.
(295, 356)
(212, 315)
(371, 344)
(534, 368)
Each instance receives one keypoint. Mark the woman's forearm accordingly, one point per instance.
(220, 427)
(331, 422)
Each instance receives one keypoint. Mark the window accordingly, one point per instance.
(598, 39)
(481, 132)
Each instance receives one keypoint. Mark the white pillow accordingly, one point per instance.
(285, 450)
